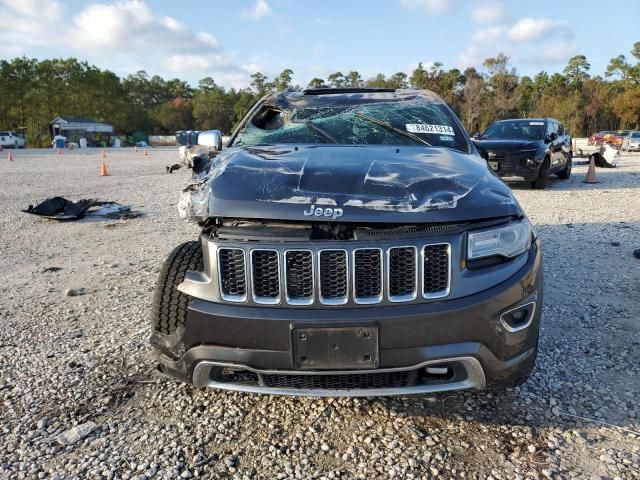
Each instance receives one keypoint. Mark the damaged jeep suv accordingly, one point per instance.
(354, 243)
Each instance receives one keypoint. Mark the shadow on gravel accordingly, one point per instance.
(608, 178)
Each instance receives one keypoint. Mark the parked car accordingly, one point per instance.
(527, 149)
(353, 243)
(598, 138)
(11, 140)
(617, 138)
(631, 142)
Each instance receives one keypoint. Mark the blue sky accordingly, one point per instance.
(230, 39)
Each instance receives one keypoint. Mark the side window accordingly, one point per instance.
(550, 128)
(560, 129)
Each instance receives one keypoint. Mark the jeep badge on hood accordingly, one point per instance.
(334, 213)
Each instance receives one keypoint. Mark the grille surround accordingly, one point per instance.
(370, 299)
(333, 300)
(301, 299)
(432, 295)
(397, 298)
(301, 287)
(264, 299)
(230, 297)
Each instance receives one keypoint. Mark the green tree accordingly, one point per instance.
(212, 110)
(354, 79)
(283, 81)
(316, 83)
(577, 70)
(337, 80)
(259, 83)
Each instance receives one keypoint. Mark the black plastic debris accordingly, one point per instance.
(600, 160)
(174, 167)
(51, 269)
(59, 208)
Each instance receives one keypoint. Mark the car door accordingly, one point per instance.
(564, 144)
(552, 142)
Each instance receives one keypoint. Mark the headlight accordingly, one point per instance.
(507, 241)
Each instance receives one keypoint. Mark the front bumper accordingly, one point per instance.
(521, 169)
(250, 348)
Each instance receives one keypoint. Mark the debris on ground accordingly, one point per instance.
(605, 158)
(59, 208)
(76, 433)
(51, 269)
(74, 292)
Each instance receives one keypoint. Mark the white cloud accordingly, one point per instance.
(540, 41)
(259, 10)
(123, 36)
(528, 29)
(131, 26)
(432, 7)
(25, 22)
(557, 53)
(488, 13)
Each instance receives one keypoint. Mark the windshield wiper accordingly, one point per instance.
(391, 128)
(320, 131)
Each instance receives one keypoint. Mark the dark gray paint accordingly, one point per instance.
(370, 183)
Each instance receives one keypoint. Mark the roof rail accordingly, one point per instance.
(328, 91)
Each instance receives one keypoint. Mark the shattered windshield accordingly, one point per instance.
(418, 121)
(515, 130)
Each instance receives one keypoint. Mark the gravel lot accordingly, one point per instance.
(70, 360)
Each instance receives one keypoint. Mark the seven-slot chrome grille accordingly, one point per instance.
(358, 275)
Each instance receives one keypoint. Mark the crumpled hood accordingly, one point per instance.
(366, 183)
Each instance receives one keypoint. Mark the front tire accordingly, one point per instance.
(541, 182)
(566, 173)
(169, 308)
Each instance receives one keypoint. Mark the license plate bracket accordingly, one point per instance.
(339, 348)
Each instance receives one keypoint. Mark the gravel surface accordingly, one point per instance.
(79, 397)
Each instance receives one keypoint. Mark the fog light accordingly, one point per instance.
(518, 318)
(437, 370)
(530, 163)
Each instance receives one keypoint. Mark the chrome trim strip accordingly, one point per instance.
(299, 301)
(402, 298)
(443, 293)
(233, 298)
(254, 297)
(333, 300)
(367, 300)
(475, 379)
(511, 329)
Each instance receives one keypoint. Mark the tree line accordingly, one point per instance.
(34, 92)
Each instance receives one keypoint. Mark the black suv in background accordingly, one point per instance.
(528, 149)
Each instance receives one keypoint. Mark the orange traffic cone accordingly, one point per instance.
(104, 155)
(591, 172)
(10, 156)
(145, 152)
(103, 169)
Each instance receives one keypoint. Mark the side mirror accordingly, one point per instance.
(211, 139)
(476, 136)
